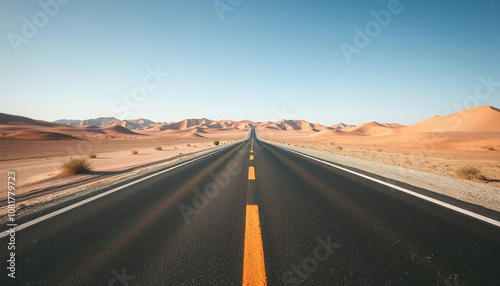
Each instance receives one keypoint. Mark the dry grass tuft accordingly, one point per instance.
(76, 166)
(470, 173)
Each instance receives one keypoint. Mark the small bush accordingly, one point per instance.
(76, 166)
(135, 152)
(92, 155)
(158, 148)
(189, 145)
(490, 148)
(340, 148)
(470, 173)
(216, 143)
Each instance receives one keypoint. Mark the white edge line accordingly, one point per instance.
(432, 200)
(80, 203)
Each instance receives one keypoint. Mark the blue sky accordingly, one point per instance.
(263, 61)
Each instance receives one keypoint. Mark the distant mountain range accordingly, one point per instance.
(136, 124)
(146, 124)
(475, 119)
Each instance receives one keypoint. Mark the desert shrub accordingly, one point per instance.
(340, 148)
(216, 143)
(469, 173)
(76, 166)
(158, 148)
(135, 152)
(92, 155)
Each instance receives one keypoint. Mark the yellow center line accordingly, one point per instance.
(251, 157)
(251, 173)
(254, 269)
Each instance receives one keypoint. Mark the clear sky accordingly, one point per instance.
(257, 60)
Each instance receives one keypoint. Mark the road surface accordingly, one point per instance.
(254, 213)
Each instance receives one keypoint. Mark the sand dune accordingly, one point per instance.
(192, 135)
(168, 126)
(288, 125)
(119, 130)
(123, 123)
(39, 135)
(341, 125)
(99, 122)
(104, 122)
(200, 130)
(368, 129)
(328, 133)
(186, 123)
(304, 125)
(476, 119)
(393, 125)
(141, 122)
(213, 125)
(8, 119)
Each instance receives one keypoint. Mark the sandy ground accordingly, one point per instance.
(441, 154)
(38, 163)
(399, 159)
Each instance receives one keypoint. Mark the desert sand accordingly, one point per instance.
(36, 149)
(441, 144)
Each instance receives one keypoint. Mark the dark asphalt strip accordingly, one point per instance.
(447, 199)
(385, 237)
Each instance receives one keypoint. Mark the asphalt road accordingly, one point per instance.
(198, 224)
